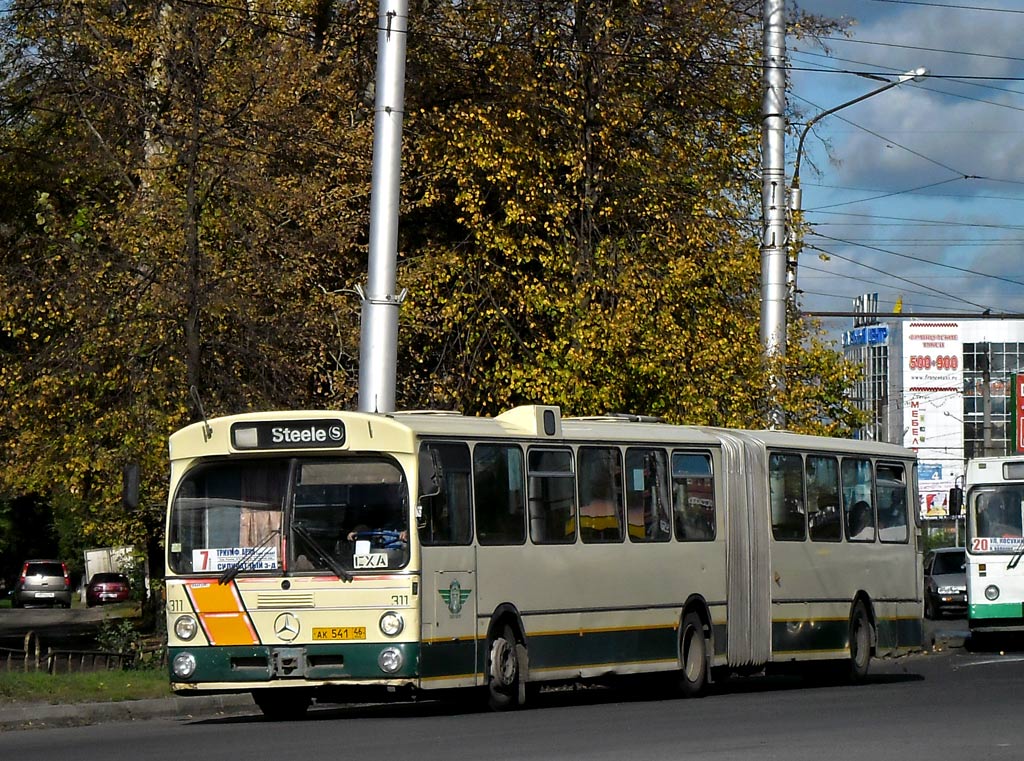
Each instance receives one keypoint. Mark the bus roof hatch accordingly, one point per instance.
(534, 419)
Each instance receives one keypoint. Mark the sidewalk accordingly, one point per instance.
(43, 716)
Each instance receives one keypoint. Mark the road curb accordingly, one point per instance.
(43, 716)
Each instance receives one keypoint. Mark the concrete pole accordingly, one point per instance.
(378, 342)
(774, 200)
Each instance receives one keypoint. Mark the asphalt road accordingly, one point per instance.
(951, 704)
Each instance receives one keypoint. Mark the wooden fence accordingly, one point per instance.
(33, 658)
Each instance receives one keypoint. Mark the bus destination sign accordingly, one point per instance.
(288, 434)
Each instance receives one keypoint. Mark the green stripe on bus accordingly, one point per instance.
(557, 650)
(321, 661)
(818, 635)
(589, 649)
(822, 635)
(996, 610)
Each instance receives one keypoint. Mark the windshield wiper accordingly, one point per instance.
(325, 556)
(1017, 555)
(259, 552)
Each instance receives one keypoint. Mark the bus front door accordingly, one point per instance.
(449, 654)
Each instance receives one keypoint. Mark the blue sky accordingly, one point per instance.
(918, 192)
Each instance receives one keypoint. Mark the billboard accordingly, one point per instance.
(932, 408)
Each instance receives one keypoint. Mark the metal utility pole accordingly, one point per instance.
(986, 402)
(378, 341)
(774, 200)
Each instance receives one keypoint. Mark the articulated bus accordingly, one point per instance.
(995, 545)
(344, 556)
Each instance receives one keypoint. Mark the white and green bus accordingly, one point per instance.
(994, 503)
(347, 556)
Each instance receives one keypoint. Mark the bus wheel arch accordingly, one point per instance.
(696, 646)
(507, 665)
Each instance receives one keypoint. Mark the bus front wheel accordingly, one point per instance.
(506, 685)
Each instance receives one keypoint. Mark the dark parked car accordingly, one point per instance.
(945, 583)
(107, 587)
(43, 582)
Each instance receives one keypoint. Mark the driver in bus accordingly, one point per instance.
(995, 520)
(382, 538)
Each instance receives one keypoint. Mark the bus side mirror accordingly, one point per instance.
(430, 473)
(956, 501)
(430, 482)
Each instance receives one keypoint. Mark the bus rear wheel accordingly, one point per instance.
(693, 656)
(861, 637)
(282, 704)
(505, 687)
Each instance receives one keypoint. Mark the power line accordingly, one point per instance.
(903, 46)
(889, 140)
(926, 88)
(950, 7)
(969, 196)
(917, 221)
(891, 275)
(889, 194)
(870, 281)
(926, 261)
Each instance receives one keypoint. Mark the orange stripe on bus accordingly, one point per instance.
(222, 613)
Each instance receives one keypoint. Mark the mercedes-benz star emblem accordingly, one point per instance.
(286, 627)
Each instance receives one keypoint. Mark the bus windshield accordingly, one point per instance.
(290, 515)
(995, 514)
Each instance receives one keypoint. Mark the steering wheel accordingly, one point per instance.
(387, 538)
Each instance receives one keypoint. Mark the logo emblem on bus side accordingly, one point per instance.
(286, 627)
(454, 597)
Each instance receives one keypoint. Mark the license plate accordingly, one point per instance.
(44, 594)
(339, 632)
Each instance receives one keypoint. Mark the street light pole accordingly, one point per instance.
(378, 338)
(795, 194)
(773, 203)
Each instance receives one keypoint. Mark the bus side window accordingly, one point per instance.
(445, 516)
(858, 511)
(498, 493)
(693, 497)
(648, 499)
(786, 485)
(822, 479)
(600, 498)
(552, 496)
(891, 498)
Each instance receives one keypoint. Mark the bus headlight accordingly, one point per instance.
(185, 627)
(391, 623)
(184, 665)
(991, 592)
(390, 660)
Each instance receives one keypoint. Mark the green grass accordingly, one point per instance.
(90, 687)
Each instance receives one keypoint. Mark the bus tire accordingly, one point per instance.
(282, 704)
(861, 637)
(693, 656)
(506, 685)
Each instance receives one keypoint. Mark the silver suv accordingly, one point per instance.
(43, 582)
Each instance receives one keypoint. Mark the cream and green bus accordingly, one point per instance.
(345, 556)
(995, 545)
